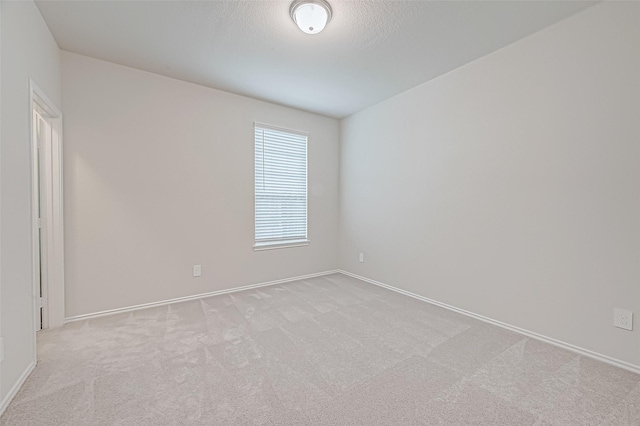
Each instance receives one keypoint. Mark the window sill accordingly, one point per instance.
(279, 245)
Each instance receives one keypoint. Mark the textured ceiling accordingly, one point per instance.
(370, 51)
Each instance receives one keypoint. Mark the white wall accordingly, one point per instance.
(510, 187)
(2, 398)
(28, 51)
(159, 177)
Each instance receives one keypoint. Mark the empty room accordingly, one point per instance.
(319, 212)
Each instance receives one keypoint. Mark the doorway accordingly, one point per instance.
(47, 215)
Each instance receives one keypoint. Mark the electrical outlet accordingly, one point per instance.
(623, 318)
(361, 257)
(197, 270)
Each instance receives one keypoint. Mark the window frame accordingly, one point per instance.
(277, 243)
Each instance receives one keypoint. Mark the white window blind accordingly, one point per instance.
(280, 187)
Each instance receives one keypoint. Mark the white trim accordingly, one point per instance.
(194, 297)
(16, 387)
(54, 220)
(281, 244)
(568, 346)
(280, 129)
(35, 244)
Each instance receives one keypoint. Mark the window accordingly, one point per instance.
(280, 187)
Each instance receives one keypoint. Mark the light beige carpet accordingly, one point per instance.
(326, 351)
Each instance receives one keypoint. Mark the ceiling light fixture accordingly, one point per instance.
(311, 16)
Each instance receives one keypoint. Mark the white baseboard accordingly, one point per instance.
(16, 387)
(194, 297)
(582, 351)
(585, 352)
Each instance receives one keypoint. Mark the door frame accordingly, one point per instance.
(54, 219)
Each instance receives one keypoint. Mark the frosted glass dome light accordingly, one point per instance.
(311, 16)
